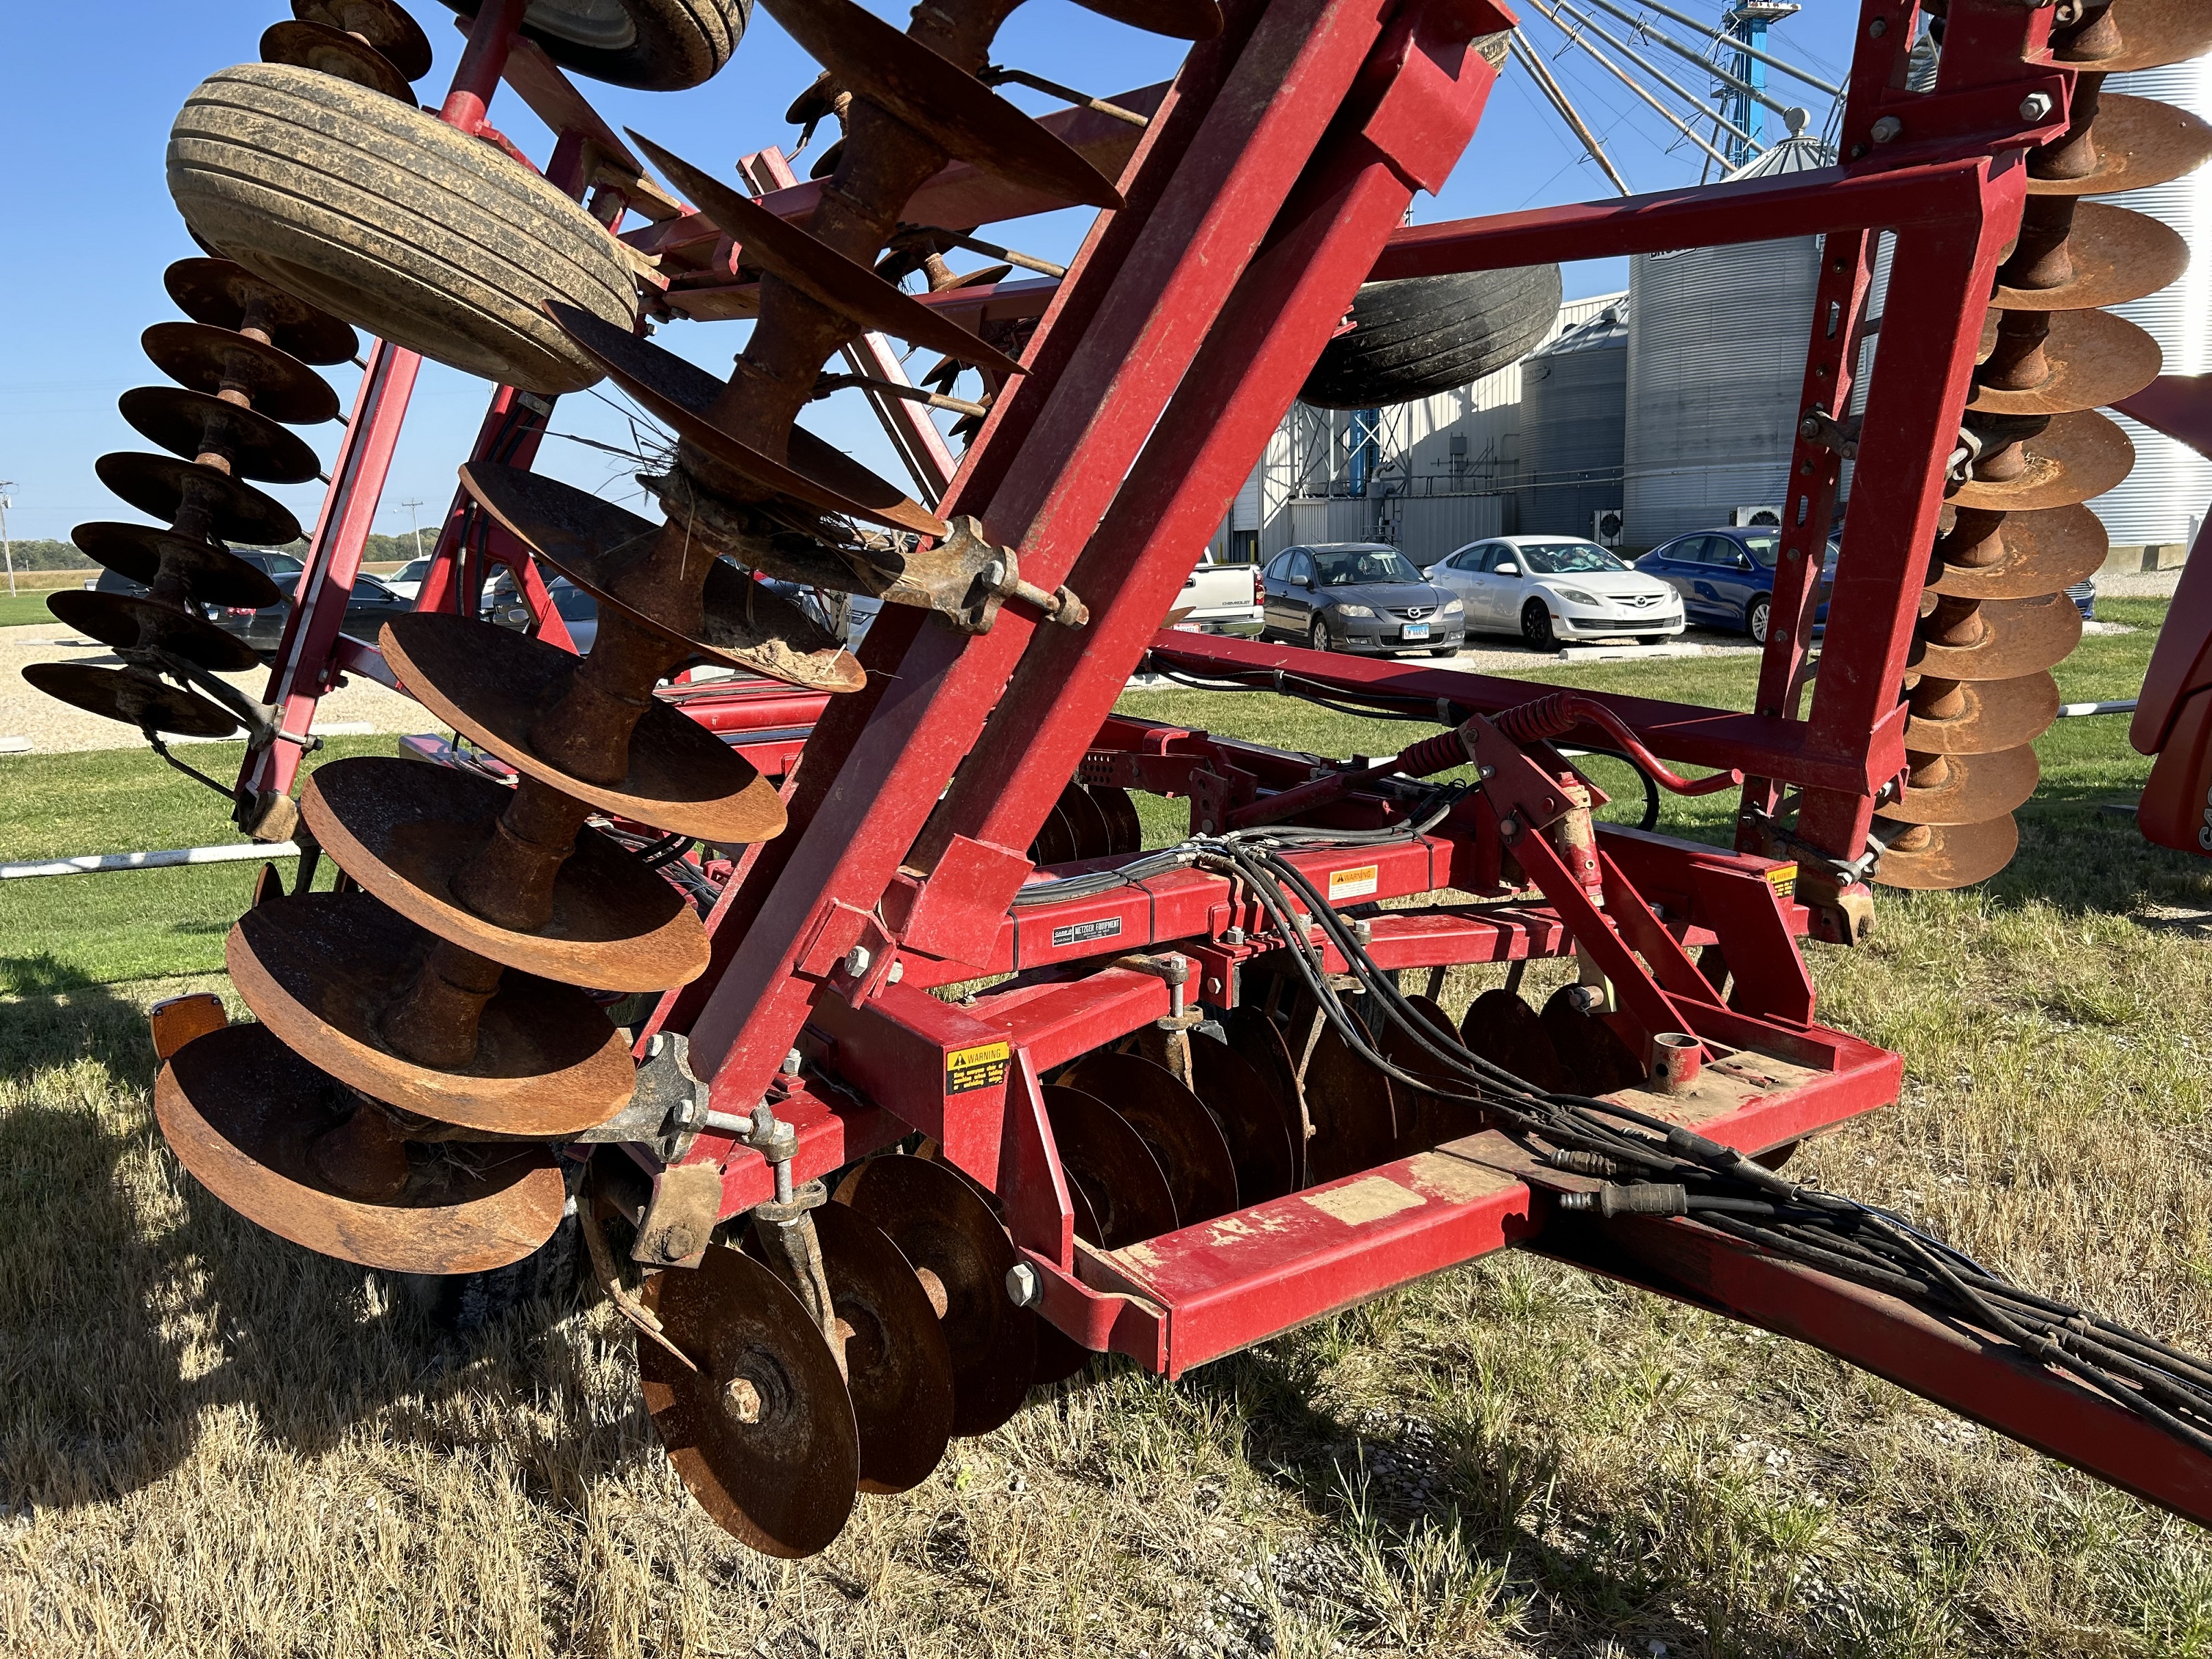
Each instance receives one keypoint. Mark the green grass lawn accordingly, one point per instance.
(60, 932)
(29, 606)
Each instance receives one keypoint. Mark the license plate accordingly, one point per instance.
(1412, 630)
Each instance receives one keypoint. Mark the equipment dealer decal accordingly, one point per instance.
(1083, 933)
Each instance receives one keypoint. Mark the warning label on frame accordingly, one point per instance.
(983, 1066)
(1354, 884)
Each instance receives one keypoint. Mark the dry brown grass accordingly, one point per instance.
(214, 1444)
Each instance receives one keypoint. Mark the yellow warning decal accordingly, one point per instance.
(1354, 884)
(1785, 877)
(983, 1066)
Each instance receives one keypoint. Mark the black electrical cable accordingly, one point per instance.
(1824, 1232)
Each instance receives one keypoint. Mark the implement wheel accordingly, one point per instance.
(1426, 334)
(655, 45)
(390, 218)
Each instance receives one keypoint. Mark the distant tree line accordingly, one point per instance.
(63, 556)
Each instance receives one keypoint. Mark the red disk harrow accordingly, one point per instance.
(682, 960)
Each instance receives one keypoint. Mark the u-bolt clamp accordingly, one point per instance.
(785, 1226)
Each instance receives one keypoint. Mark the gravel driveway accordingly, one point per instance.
(50, 727)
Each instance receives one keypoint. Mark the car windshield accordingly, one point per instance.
(1761, 548)
(413, 571)
(1567, 558)
(284, 564)
(1353, 566)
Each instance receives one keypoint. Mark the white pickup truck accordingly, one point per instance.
(1219, 598)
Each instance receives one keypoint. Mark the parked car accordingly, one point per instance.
(1550, 589)
(1726, 577)
(407, 581)
(578, 610)
(1361, 596)
(1221, 598)
(371, 605)
(279, 567)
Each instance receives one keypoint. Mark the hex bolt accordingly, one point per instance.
(1885, 129)
(895, 972)
(792, 1062)
(1023, 1284)
(2035, 106)
(1879, 28)
(741, 1399)
(857, 960)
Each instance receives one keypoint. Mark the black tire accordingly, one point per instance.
(1429, 334)
(672, 43)
(1317, 636)
(392, 219)
(1445, 651)
(1536, 627)
(1651, 639)
(1755, 616)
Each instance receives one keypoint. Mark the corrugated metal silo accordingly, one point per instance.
(1716, 360)
(1574, 411)
(2171, 483)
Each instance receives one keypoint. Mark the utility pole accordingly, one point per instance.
(7, 547)
(417, 523)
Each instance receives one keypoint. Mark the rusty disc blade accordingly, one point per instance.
(1087, 819)
(1353, 1105)
(1179, 20)
(1972, 787)
(161, 485)
(2019, 636)
(242, 1112)
(2140, 143)
(2095, 358)
(320, 969)
(1122, 1185)
(776, 245)
(1173, 1122)
(898, 1370)
(1432, 1119)
(140, 551)
(2080, 454)
(403, 830)
(1059, 1356)
(382, 23)
(783, 1482)
(1056, 839)
(948, 1233)
(2043, 552)
(218, 292)
(201, 357)
(593, 543)
(1500, 1026)
(683, 394)
(1256, 1037)
(966, 120)
(1951, 855)
(334, 52)
(1125, 830)
(189, 423)
(1244, 1105)
(1993, 715)
(2118, 255)
(1596, 1060)
(133, 696)
(491, 684)
(122, 620)
(2152, 34)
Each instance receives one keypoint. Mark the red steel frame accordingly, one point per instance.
(1271, 182)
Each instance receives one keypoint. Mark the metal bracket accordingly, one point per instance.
(667, 1104)
(1817, 426)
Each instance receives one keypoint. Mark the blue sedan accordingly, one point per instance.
(1726, 577)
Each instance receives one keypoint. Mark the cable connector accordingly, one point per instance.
(1640, 1198)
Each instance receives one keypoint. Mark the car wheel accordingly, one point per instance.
(1754, 619)
(1651, 639)
(1536, 627)
(1317, 636)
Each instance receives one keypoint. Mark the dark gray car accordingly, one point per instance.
(1361, 596)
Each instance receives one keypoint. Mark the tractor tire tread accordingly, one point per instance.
(1422, 334)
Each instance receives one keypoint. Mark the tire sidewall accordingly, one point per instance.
(1536, 628)
(1317, 636)
(1756, 617)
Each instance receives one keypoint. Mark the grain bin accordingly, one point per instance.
(2171, 483)
(1716, 360)
(1574, 410)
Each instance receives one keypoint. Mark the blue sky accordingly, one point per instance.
(97, 83)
